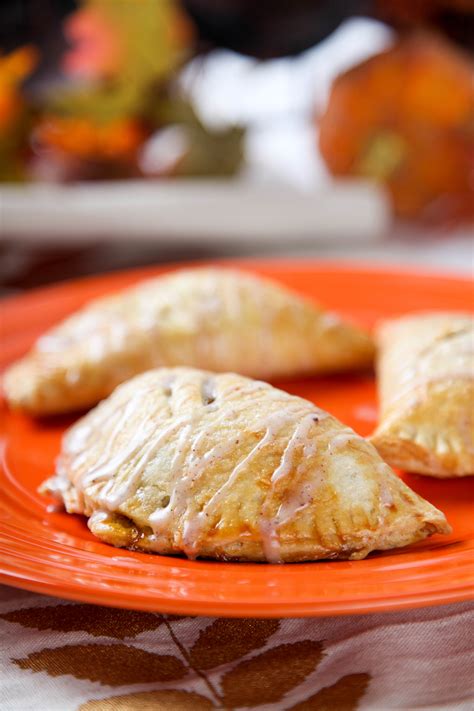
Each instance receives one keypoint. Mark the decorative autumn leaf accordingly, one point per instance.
(15, 113)
(226, 639)
(344, 695)
(98, 621)
(266, 678)
(111, 664)
(147, 42)
(154, 36)
(169, 700)
(14, 69)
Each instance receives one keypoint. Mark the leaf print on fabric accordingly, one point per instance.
(97, 621)
(169, 700)
(111, 664)
(228, 639)
(344, 695)
(266, 678)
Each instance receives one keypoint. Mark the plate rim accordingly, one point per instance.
(285, 611)
(330, 265)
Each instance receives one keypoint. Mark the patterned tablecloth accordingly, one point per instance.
(63, 656)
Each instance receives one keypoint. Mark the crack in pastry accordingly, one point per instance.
(426, 389)
(221, 466)
(216, 319)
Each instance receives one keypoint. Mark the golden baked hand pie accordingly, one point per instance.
(220, 466)
(426, 389)
(217, 319)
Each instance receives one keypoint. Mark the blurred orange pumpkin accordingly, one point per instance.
(405, 118)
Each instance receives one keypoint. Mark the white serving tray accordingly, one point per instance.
(198, 210)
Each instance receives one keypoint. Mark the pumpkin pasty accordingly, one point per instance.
(426, 390)
(220, 466)
(215, 319)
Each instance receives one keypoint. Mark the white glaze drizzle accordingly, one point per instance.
(92, 328)
(342, 438)
(181, 496)
(194, 525)
(299, 501)
(298, 438)
(303, 495)
(78, 438)
(220, 303)
(330, 320)
(447, 355)
(159, 517)
(268, 526)
(79, 441)
(83, 435)
(137, 452)
(267, 351)
(107, 465)
(113, 496)
(385, 495)
(181, 493)
(182, 477)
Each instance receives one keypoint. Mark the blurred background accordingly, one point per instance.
(144, 131)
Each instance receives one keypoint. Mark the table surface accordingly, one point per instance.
(63, 656)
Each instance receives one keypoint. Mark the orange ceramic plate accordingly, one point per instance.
(55, 553)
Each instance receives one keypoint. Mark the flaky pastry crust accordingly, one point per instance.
(184, 461)
(426, 392)
(217, 319)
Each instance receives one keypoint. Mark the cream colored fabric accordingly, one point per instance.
(62, 656)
